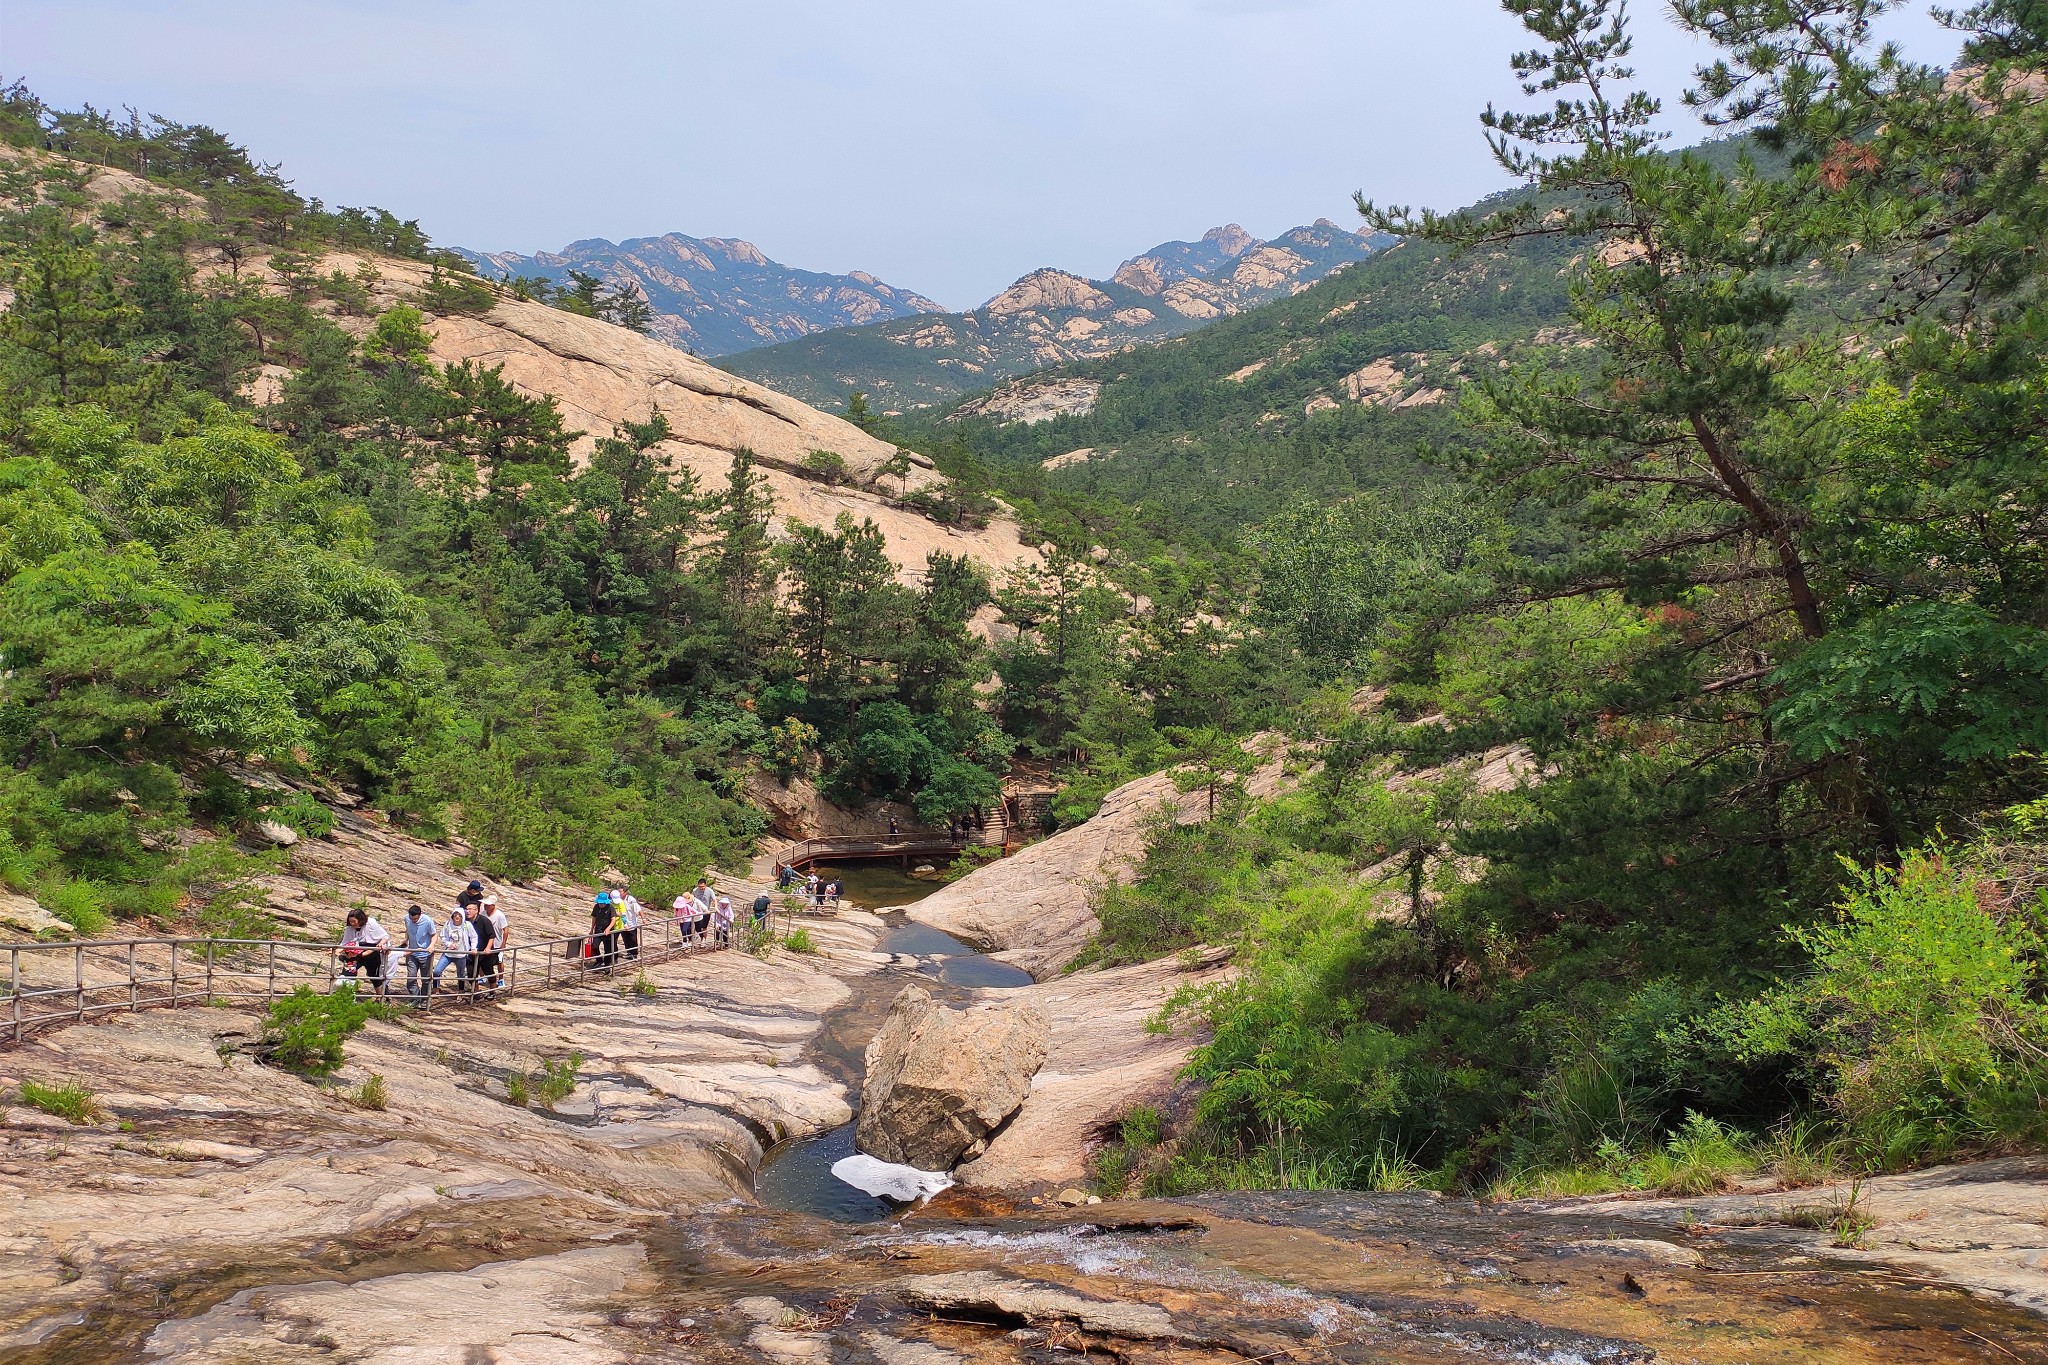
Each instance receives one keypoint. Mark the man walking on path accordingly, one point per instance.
(499, 924)
(762, 903)
(419, 954)
(486, 935)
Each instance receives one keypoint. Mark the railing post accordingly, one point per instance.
(134, 991)
(78, 976)
(271, 992)
(174, 972)
(14, 988)
(511, 971)
(209, 971)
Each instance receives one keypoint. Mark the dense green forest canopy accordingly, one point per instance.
(1711, 684)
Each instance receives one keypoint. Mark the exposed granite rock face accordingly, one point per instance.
(1033, 909)
(1034, 403)
(1101, 1061)
(1008, 1298)
(550, 1310)
(207, 1169)
(940, 1081)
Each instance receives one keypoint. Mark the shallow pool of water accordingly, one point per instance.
(950, 960)
(878, 883)
(798, 1176)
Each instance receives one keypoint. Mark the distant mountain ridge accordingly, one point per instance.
(1053, 317)
(714, 296)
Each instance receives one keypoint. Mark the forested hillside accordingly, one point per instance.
(252, 529)
(1673, 540)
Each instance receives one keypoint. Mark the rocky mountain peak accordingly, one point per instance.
(717, 295)
(1232, 240)
(1044, 290)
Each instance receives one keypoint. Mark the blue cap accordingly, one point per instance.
(604, 898)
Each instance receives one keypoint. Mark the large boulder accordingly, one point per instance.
(941, 1081)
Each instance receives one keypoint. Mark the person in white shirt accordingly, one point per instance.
(364, 945)
(721, 922)
(458, 945)
(495, 959)
(629, 920)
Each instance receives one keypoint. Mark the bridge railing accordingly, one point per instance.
(61, 983)
(808, 851)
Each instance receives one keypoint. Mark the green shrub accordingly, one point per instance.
(1143, 1126)
(826, 465)
(1702, 1157)
(73, 1103)
(799, 940)
(304, 1032)
(643, 986)
(301, 813)
(516, 1090)
(1920, 1019)
(557, 1080)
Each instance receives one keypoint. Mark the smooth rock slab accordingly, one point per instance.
(1007, 1299)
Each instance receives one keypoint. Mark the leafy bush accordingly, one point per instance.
(557, 1080)
(79, 903)
(304, 1031)
(799, 940)
(301, 813)
(1701, 1157)
(1920, 1018)
(73, 1103)
(830, 466)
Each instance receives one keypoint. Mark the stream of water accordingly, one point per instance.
(797, 1176)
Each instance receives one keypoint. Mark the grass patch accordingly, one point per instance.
(371, 1094)
(643, 986)
(557, 1080)
(516, 1090)
(72, 1103)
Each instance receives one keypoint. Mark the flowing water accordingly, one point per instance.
(798, 1175)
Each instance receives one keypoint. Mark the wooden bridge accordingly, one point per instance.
(850, 847)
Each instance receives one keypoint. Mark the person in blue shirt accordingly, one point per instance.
(419, 953)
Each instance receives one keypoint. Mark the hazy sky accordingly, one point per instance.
(945, 145)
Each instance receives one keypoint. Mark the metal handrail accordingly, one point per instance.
(867, 845)
(134, 974)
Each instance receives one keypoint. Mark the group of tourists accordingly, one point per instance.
(818, 891)
(474, 936)
(472, 940)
